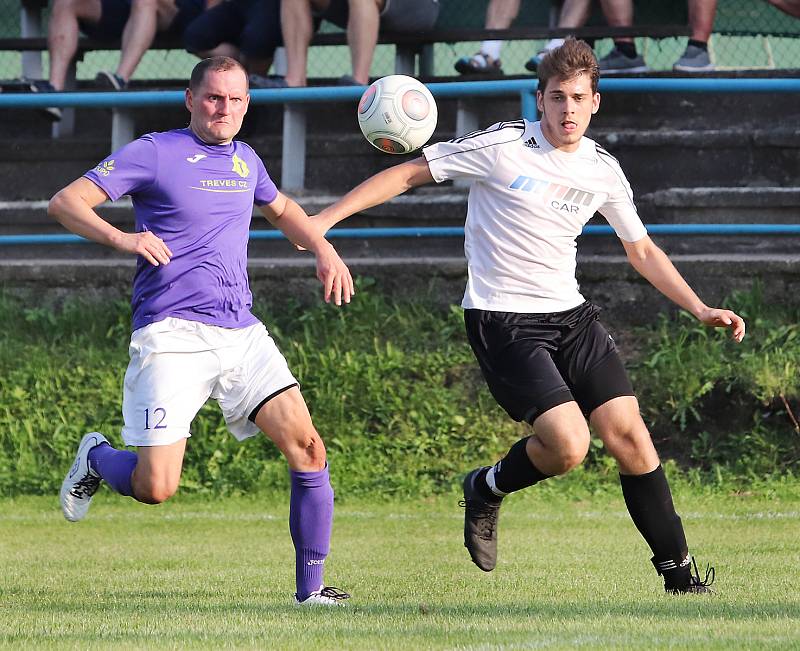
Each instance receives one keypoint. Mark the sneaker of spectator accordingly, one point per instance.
(533, 63)
(348, 80)
(479, 64)
(616, 62)
(107, 80)
(694, 59)
(273, 81)
(53, 113)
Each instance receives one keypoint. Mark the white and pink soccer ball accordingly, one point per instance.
(397, 114)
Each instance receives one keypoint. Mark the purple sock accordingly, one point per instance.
(310, 523)
(114, 466)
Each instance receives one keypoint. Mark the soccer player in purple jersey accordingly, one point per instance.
(546, 358)
(194, 336)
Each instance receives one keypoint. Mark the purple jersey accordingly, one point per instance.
(198, 198)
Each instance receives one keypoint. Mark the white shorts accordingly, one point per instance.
(176, 365)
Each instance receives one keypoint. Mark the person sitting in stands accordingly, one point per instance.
(246, 30)
(134, 21)
(361, 19)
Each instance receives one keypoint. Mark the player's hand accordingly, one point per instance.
(334, 275)
(717, 318)
(146, 244)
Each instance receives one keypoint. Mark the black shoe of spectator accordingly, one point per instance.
(52, 113)
(107, 80)
(347, 80)
(274, 81)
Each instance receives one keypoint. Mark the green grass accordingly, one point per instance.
(573, 573)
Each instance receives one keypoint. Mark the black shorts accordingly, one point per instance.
(534, 362)
(396, 16)
(254, 26)
(113, 16)
(188, 10)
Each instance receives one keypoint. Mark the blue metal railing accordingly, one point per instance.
(455, 231)
(455, 89)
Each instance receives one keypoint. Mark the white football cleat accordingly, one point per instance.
(81, 482)
(325, 596)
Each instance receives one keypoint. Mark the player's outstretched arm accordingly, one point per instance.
(286, 215)
(74, 206)
(375, 190)
(654, 265)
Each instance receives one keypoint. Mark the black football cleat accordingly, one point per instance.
(480, 524)
(696, 585)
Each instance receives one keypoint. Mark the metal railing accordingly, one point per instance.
(449, 231)
(295, 100)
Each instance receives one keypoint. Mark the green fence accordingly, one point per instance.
(748, 34)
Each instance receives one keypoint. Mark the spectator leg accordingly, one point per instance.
(575, 13)
(147, 16)
(297, 28)
(499, 15)
(701, 18)
(62, 39)
(362, 36)
(619, 13)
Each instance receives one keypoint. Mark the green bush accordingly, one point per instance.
(397, 396)
(713, 402)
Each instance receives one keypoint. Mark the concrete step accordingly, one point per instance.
(653, 159)
(608, 280)
(446, 206)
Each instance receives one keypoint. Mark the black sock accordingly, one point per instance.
(513, 472)
(649, 502)
(703, 45)
(627, 48)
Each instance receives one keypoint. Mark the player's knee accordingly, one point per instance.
(568, 460)
(571, 453)
(308, 452)
(153, 491)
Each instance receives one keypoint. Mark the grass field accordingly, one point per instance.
(573, 573)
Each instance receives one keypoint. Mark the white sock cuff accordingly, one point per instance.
(492, 48)
(553, 43)
(492, 485)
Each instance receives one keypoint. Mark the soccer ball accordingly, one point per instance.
(397, 114)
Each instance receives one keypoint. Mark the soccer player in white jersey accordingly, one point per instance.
(545, 356)
(194, 335)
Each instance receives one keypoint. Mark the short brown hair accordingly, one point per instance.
(217, 64)
(567, 62)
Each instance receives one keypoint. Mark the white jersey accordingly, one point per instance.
(527, 203)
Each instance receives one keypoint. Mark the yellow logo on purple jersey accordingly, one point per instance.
(105, 168)
(561, 197)
(240, 167)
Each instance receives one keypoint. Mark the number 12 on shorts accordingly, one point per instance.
(155, 419)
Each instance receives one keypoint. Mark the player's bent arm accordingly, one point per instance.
(73, 207)
(654, 265)
(286, 215)
(376, 190)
